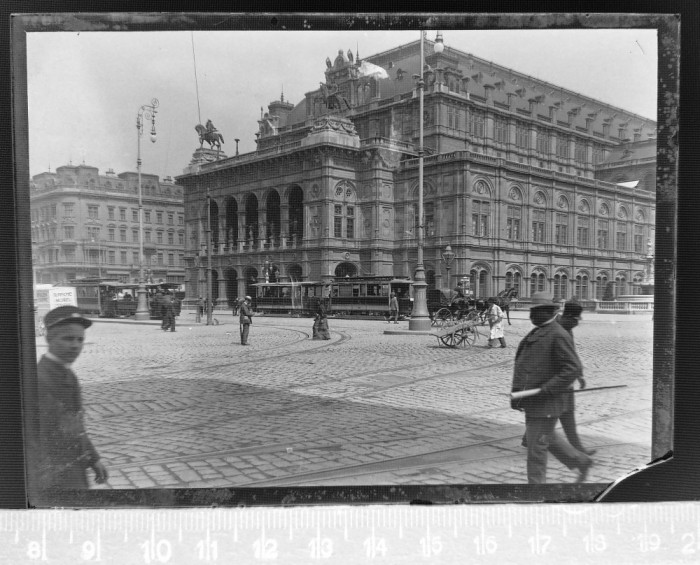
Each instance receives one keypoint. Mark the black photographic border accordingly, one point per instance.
(676, 146)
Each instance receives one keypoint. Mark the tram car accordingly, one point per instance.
(288, 298)
(343, 296)
(115, 299)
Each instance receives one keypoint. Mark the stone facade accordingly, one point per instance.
(531, 185)
(85, 224)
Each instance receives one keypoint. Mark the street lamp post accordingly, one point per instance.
(448, 256)
(147, 111)
(420, 319)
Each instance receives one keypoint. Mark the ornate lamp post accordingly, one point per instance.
(148, 112)
(420, 319)
(210, 305)
(448, 256)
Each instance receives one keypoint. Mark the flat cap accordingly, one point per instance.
(542, 299)
(572, 309)
(65, 315)
(248, 298)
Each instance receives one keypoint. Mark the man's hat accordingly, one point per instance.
(65, 315)
(539, 299)
(248, 298)
(572, 309)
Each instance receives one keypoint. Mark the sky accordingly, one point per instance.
(85, 89)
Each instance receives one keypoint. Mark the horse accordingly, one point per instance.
(213, 138)
(334, 99)
(504, 298)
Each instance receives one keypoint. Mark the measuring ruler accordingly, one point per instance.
(498, 533)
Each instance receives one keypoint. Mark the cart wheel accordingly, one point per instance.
(472, 315)
(467, 336)
(449, 340)
(441, 317)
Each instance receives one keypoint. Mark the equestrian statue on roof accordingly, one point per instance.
(210, 134)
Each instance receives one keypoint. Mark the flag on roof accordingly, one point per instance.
(371, 70)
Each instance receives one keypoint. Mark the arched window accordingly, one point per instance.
(561, 286)
(479, 282)
(620, 285)
(537, 282)
(581, 287)
(637, 283)
(601, 283)
(514, 280)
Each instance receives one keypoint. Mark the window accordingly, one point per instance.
(93, 233)
(160, 258)
(476, 123)
(53, 211)
(582, 231)
(135, 257)
(621, 236)
(134, 215)
(122, 257)
(171, 238)
(135, 236)
(171, 218)
(480, 218)
(513, 280)
(543, 142)
(69, 255)
(561, 228)
(68, 232)
(147, 236)
(159, 217)
(338, 221)
(350, 223)
(580, 152)
(601, 283)
(537, 283)
(122, 236)
(560, 287)
(513, 223)
(522, 136)
(562, 147)
(581, 287)
(602, 234)
(110, 234)
(147, 216)
(638, 238)
(122, 214)
(500, 130)
(620, 286)
(111, 257)
(171, 259)
(181, 238)
(538, 226)
(180, 220)
(110, 212)
(159, 237)
(93, 211)
(452, 117)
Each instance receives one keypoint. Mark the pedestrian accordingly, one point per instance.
(246, 318)
(320, 327)
(546, 359)
(236, 306)
(168, 313)
(200, 309)
(65, 450)
(393, 309)
(495, 318)
(569, 319)
(159, 303)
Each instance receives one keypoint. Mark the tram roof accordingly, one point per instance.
(280, 284)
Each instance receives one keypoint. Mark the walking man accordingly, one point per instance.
(169, 313)
(495, 318)
(393, 308)
(66, 452)
(246, 318)
(546, 360)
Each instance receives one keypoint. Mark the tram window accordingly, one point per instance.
(356, 290)
(336, 292)
(385, 290)
(285, 291)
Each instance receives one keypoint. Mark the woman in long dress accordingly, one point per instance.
(495, 317)
(320, 328)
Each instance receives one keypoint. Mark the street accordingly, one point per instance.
(196, 409)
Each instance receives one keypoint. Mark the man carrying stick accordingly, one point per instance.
(546, 360)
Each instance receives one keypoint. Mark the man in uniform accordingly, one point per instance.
(246, 319)
(546, 360)
(65, 450)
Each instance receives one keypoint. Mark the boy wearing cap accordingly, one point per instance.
(546, 359)
(246, 319)
(66, 451)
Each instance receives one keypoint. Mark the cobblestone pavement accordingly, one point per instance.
(194, 408)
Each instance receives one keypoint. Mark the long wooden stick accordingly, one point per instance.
(534, 391)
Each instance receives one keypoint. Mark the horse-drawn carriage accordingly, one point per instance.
(447, 305)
